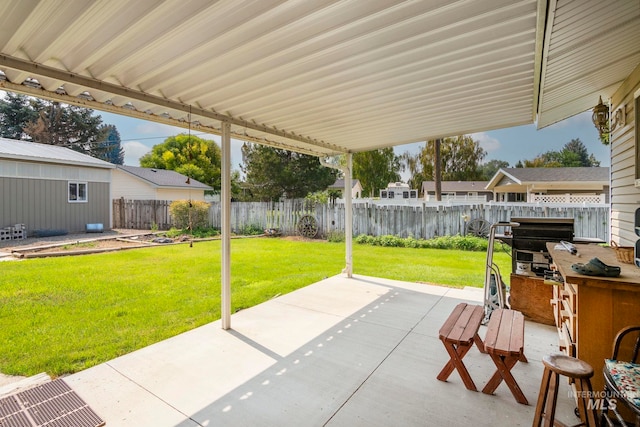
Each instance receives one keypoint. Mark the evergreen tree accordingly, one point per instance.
(272, 173)
(66, 126)
(50, 122)
(15, 112)
(573, 154)
(110, 145)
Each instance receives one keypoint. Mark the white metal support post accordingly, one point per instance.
(226, 226)
(348, 217)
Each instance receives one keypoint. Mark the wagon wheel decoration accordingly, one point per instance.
(478, 227)
(307, 226)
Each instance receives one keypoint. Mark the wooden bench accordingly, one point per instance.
(458, 334)
(504, 342)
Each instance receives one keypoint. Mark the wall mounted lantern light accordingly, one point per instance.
(600, 117)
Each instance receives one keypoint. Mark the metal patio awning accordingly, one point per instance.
(323, 77)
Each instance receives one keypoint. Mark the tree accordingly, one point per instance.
(66, 126)
(189, 155)
(110, 145)
(376, 169)
(573, 154)
(272, 173)
(50, 122)
(460, 159)
(15, 112)
(490, 168)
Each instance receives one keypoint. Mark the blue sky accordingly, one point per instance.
(511, 144)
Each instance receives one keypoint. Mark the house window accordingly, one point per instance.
(77, 192)
(405, 194)
(383, 194)
(391, 194)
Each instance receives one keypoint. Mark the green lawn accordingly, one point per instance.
(64, 314)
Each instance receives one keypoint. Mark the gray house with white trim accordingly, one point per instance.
(473, 191)
(551, 185)
(50, 188)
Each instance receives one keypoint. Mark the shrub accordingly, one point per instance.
(250, 230)
(464, 243)
(335, 236)
(320, 197)
(189, 214)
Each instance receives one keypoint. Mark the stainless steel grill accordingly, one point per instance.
(528, 241)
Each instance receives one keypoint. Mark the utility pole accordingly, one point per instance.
(437, 170)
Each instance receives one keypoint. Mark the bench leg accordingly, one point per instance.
(504, 365)
(455, 362)
(479, 343)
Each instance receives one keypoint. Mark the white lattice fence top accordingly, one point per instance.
(568, 198)
(550, 198)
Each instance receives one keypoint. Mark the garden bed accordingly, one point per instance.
(78, 244)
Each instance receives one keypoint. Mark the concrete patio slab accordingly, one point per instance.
(340, 352)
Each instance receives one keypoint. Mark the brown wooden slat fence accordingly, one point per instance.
(424, 220)
(141, 214)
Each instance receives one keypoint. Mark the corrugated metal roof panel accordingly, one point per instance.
(321, 76)
(23, 150)
(593, 47)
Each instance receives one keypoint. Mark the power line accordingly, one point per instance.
(158, 137)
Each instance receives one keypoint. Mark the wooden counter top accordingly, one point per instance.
(629, 278)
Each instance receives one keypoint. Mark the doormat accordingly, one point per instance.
(53, 404)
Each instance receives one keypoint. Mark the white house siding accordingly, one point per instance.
(180, 194)
(625, 196)
(131, 188)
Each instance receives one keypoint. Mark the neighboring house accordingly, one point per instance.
(356, 187)
(398, 190)
(52, 189)
(470, 191)
(551, 185)
(136, 183)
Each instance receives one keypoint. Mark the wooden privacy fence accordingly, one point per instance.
(141, 214)
(424, 220)
(283, 216)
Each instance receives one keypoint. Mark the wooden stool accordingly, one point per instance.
(554, 366)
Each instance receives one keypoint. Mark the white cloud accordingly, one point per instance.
(487, 142)
(133, 150)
